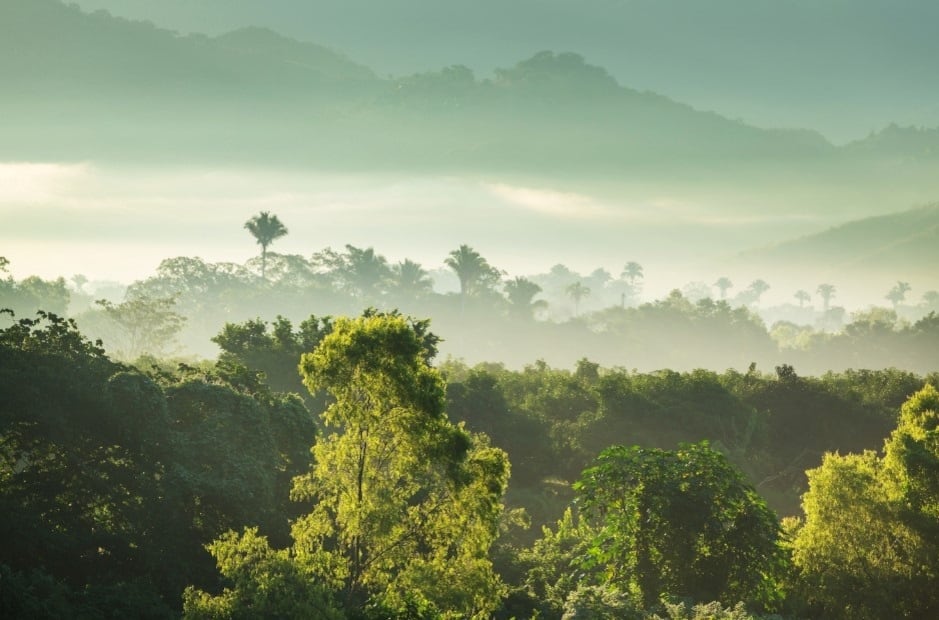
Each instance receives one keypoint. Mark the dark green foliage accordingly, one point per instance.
(681, 524)
(275, 352)
(111, 481)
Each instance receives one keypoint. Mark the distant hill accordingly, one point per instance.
(896, 245)
(843, 67)
(91, 86)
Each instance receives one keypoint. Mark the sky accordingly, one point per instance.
(117, 224)
(838, 66)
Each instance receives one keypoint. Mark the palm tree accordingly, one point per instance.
(521, 292)
(723, 284)
(471, 268)
(410, 279)
(577, 291)
(802, 296)
(632, 272)
(364, 271)
(757, 288)
(826, 291)
(265, 228)
(898, 293)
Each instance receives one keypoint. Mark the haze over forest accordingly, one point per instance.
(414, 127)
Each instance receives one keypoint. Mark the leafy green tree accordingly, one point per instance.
(680, 523)
(144, 325)
(31, 294)
(556, 564)
(275, 350)
(577, 292)
(265, 228)
(405, 504)
(262, 583)
(869, 546)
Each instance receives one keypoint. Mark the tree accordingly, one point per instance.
(521, 295)
(826, 292)
(363, 272)
(632, 272)
(411, 280)
(898, 293)
(678, 523)
(79, 281)
(471, 268)
(803, 297)
(869, 546)
(266, 229)
(146, 325)
(723, 284)
(404, 504)
(754, 291)
(265, 583)
(577, 292)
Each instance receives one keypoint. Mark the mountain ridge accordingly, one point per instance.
(552, 113)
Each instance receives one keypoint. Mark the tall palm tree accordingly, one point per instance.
(757, 288)
(521, 293)
(410, 279)
(474, 272)
(826, 291)
(632, 272)
(898, 293)
(803, 297)
(724, 284)
(265, 228)
(364, 272)
(577, 291)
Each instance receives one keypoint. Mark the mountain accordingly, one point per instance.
(92, 86)
(842, 67)
(898, 245)
(88, 86)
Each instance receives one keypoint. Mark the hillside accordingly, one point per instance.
(899, 245)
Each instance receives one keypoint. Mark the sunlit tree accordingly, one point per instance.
(868, 548)
(265, 228)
